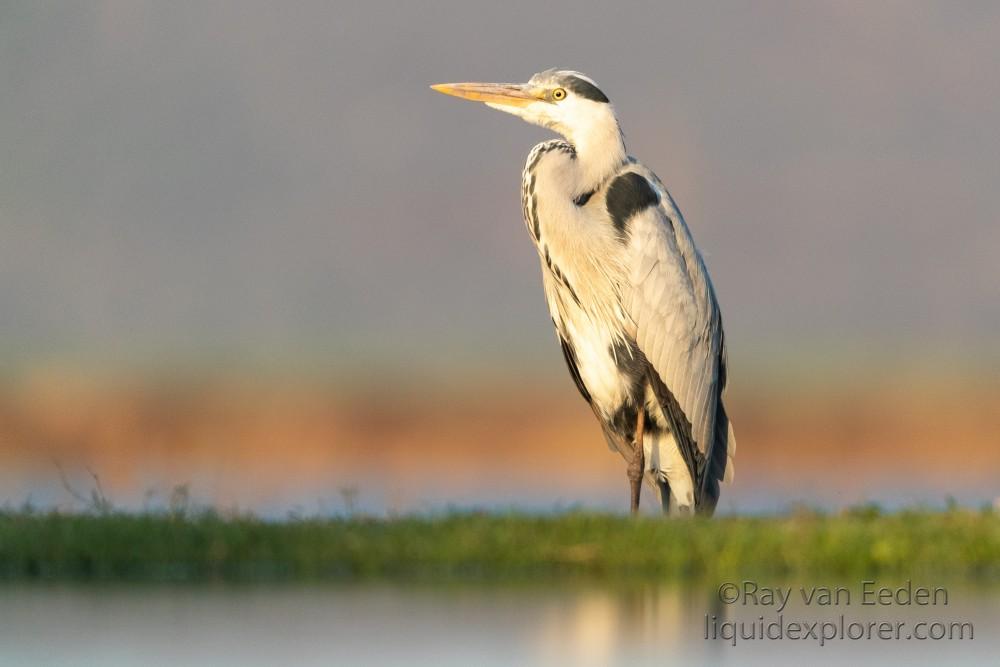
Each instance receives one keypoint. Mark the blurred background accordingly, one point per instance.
(248, 256)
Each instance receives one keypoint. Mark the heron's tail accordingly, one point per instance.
(721, 468)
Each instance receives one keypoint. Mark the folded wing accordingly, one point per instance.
(678, 327)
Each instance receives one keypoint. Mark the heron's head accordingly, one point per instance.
(565, 101)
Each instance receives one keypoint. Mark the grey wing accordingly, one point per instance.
(678, 327)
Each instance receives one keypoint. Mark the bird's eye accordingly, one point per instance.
(558, 94)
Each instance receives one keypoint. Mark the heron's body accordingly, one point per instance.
(629, 295)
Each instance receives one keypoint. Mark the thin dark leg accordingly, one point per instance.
(638, 463)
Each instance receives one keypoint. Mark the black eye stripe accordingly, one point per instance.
(584, 89)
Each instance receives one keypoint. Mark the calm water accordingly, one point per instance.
(395, 624)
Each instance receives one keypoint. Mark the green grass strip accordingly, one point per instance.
(955, 544)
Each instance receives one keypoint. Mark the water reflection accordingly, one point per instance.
(424, 624)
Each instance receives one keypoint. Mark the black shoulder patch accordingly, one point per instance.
(627, 195)
(584, 89)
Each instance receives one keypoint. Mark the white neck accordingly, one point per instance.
(600, 150)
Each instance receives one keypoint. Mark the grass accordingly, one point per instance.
(955, 544)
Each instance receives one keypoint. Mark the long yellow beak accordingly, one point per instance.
(509, 94)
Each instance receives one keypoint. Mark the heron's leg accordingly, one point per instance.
(638, 463)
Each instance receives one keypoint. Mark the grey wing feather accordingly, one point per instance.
(678, 328)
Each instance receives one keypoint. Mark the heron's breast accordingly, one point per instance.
(594, 346)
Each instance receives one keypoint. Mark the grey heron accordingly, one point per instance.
(627, 290)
